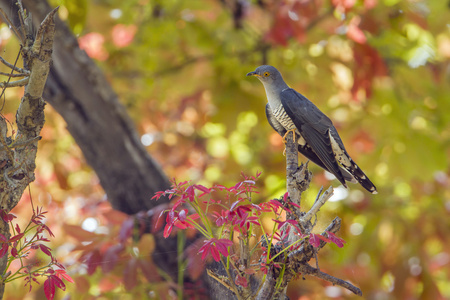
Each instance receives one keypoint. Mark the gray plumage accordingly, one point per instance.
(317, 137)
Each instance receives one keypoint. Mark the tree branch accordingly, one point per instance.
(320, 201)
(13, 28)
(14, 74)
(18, 156)
(306, 269)
(40, 56)
(296, 262)
(21, 82)
(98, 122)
(15, 68)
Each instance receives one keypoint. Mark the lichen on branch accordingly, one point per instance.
(18, 152)
(297, 261)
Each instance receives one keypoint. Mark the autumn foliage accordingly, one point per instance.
(24, 247)
(230, 221)
(378, 68)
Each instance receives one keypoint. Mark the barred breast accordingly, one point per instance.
(283, 118)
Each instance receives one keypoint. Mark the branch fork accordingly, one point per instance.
(297, 262)
(18, 153)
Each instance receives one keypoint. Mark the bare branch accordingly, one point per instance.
(21, 151)
(219, 278)
(15, 68)
(13, 28)
(14, 74)
(320, 201)
(296, 262)
(44, 31)
(41, 53)
(22, 17)
(334, 226)
(308, 270)
(21, 82)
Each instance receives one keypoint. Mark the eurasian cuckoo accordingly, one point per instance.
(318, 140)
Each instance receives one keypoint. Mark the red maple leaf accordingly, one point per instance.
(314, 239)
(214, 247)
(337, 240)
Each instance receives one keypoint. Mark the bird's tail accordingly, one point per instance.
(359, 175)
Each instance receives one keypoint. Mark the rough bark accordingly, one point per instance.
(18, 153)
(297, 262)
(101, 127)
(98, 122)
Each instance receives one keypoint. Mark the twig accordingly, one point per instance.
(305, 253)
(13, 28)
(234, 287)
(21, 82)
(334, 226)
(219, 278)
(48, 21)
(15, 68)
(21, 13)
(299, 258)
(320, 201)
(14, 74)
(308, 270)
(9, 79)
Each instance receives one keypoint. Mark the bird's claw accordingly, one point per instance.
(285, 135)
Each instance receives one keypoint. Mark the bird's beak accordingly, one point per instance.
(253, 74)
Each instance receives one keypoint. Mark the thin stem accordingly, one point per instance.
(181, 239)
(320, 201)
(233, 284)
(228, 257)
(207, 205)
(199, 228)
(308, 270)
(13, 28)
(13, 67)
(14, 75)
(280, 277)
(286, 248)
(9, 279)
(203, 217)
(254, 248)
(8, 84)
(269, 245)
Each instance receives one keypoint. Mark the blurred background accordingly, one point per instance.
(380, 69)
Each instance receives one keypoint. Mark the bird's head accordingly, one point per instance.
(267, 74)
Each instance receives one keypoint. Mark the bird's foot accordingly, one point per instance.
(285, 135)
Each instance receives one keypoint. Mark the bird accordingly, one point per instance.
(318, 140)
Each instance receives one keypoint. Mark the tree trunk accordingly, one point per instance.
(100, 125)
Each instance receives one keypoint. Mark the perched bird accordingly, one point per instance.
(318, 140)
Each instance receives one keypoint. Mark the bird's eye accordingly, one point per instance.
(266, 74)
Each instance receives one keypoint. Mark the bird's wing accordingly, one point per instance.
(314, 126)
(303, 149)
